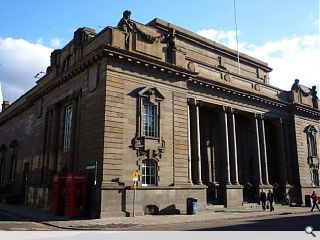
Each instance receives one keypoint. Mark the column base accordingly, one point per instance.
(233, 195)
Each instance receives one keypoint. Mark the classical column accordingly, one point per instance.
(189, 147)
(288, 154)
(198, 143)
(213, 165)
(209, 160)
(281, 152)
(233, 147)
(257, 144)
(264, 151)
(226, 138)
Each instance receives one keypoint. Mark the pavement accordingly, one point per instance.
(212, 213)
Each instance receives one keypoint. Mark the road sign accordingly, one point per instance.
(135, 176)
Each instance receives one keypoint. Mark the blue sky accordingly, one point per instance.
(285, 33)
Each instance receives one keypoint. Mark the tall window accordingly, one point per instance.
(149, 120)
(312, 141)
(67, 129)
(149, 173)
(3, 151)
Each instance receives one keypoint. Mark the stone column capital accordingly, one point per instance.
(191, 101)
(228, 109)
(258, 116)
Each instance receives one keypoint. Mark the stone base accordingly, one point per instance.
(39, 197)
(161, 200)
(233, 196)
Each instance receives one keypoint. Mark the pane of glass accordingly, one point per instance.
(143, 180)
(153, 170)
(153, 180)
(143, 170)
(147, 171)
(148, 180)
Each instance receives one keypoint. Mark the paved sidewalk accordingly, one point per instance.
(130, 223)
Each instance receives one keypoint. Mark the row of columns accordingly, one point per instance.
(227, 116)
(54, 133)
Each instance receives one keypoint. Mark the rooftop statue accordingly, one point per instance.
(314, 97)
(297, 89)
(126, 24)
(295, 86)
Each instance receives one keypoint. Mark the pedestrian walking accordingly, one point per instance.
(314, 198)
(270, 198)
(263, 199)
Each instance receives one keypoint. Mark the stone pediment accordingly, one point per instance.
(148, 92)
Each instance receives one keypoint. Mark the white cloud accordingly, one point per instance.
(55, 42)
(21, 61)
(292, 57)
(223, 37)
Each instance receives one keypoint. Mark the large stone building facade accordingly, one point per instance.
(165, 102)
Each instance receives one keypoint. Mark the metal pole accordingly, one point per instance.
(134, 197)
(95, 173)
(236, 25)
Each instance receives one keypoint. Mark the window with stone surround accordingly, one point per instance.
(67, 128)
(312, 141)
(149, 172)
(148, 140)
(149, 112)
(3, 151)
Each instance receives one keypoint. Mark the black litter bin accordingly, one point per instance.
(307, 200)
(192, 205)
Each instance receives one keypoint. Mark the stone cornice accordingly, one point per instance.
(306, 110)
(210, 44)
(240, 93)
(81, 66)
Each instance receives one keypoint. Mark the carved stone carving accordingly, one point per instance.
(150, 148)
(191, 66)
(227, 77)
(257, 87)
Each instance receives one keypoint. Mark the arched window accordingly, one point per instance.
(3, 151)
(149, 173)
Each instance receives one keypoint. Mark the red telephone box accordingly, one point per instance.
(76, 195)
(59, 188)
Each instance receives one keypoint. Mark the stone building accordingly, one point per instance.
(165, 102)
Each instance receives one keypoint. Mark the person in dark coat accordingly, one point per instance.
(263, 199)
(270, 198)
(314, 198)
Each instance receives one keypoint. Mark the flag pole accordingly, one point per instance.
(236, 25)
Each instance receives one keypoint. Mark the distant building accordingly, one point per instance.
(169, 104)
